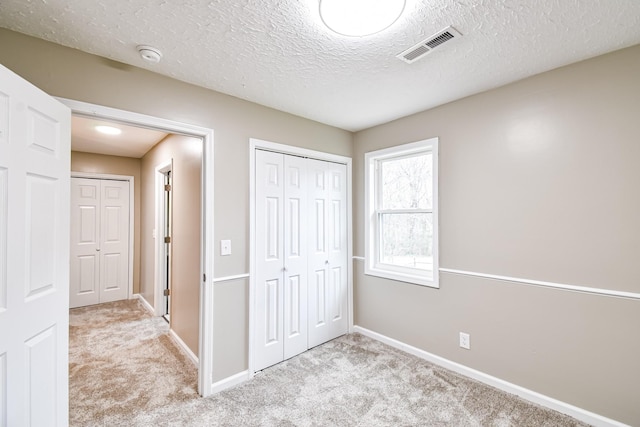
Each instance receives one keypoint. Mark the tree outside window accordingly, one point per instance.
(402, 217)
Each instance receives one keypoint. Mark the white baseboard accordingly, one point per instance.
(184, 347)
(229, 382)
(172, 334)
(144, 303)
(530, 395)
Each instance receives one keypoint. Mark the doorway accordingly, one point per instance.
(205, 310)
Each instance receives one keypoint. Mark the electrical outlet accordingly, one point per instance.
(465, 341)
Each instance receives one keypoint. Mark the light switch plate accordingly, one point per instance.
(225, 247)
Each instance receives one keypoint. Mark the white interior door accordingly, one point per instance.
(85, 245)
(269, 259)
(295, 256)
(34, 255)
(166, 255)
(114, 241)
(99, 241)
(327, 260)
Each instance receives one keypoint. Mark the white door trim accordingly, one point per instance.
(160, 260)
(131, 181)
(255, 144)
(205, 356)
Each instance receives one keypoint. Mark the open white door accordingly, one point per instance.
(34, 255)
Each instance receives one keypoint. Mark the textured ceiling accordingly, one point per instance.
(279, 54)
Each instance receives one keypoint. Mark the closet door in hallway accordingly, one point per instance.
(295, 240)
(99, 241)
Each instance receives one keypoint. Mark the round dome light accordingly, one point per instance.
(108, 130)
(359, 18)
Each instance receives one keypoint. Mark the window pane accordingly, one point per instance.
(407, 240)
(407, 182)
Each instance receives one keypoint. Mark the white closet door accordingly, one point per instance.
(295, 256)
(327, 259)
(85, 245)
(114, 241)
(301, 255)
(269, 259)
(99, 241)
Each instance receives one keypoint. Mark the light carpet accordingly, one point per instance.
(125, 371)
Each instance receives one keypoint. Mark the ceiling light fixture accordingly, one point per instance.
(149, 53)
(108, 130)
(359, 18)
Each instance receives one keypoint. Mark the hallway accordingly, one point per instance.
(121, 362)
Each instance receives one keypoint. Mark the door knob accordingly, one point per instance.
(98, 250)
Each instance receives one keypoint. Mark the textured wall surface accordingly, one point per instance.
(538, 180)
(278, 52)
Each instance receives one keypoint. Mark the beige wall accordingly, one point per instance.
(69, 73)
(186, 155)
(538, 180)
(98, 163)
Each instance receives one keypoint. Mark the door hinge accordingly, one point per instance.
(167, 187)
(167, 239)
(167, 292)
(204, 277)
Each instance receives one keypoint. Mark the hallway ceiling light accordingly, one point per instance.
(359, 18)
(108, 130)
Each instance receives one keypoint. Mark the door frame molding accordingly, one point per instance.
(131, 180)
(205, 350)
(256, 144)
(160, 261)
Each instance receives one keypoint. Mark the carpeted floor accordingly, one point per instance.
(125, 371)
(122, 361)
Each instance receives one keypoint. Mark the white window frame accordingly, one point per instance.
(373, 266)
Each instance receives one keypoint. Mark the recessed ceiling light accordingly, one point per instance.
(108, 130)
(358, 18)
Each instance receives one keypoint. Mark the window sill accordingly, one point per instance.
(402, 277)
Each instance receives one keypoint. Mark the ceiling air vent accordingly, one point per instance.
(425, 46)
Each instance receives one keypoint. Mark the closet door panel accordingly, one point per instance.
(318, 258)
(295, 256)
(114, 246)
(328, 252)
(337, 236)
(84, 276)
(269, 259)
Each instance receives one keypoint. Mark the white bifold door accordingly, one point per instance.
(301, 255)
(99, 241)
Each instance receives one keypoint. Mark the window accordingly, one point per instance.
(401, 203)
